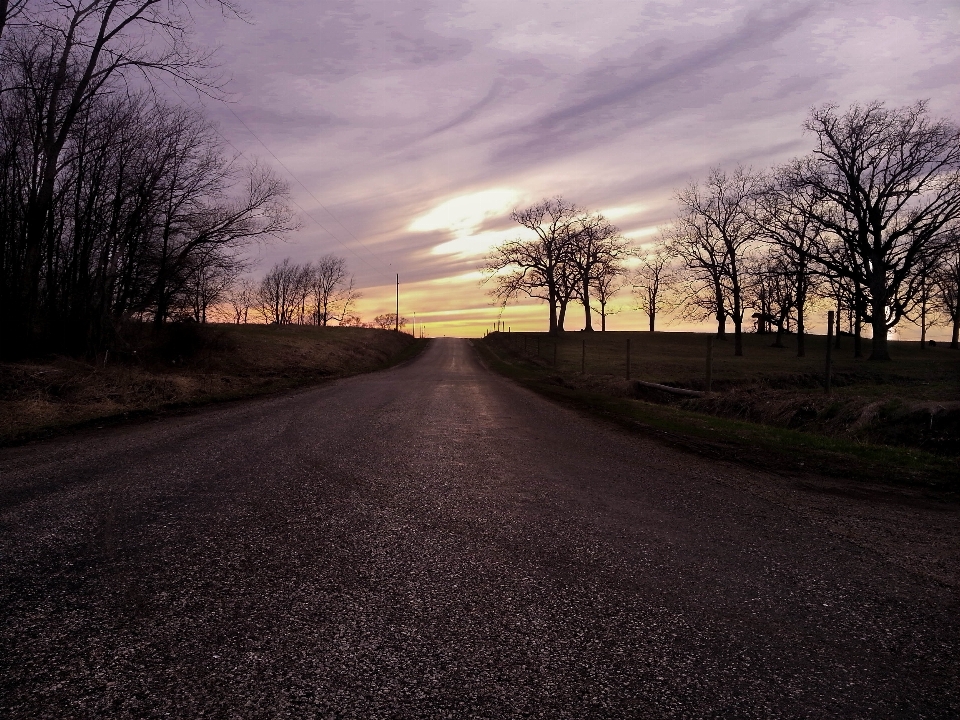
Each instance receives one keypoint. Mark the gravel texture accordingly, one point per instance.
(434, 542)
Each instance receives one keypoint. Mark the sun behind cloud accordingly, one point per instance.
(461, 217)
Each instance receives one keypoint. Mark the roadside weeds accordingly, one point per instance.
(764, 447)
(44, 399)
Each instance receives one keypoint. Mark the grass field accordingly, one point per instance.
(900, 417)
(183, 366)
(679, 358)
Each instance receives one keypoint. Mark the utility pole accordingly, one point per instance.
(397, 316)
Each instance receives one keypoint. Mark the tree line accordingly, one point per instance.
(318, 293)
(115, 203)
(576, 255)
(314, 293)
(868, 222)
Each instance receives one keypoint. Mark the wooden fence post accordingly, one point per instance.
(709, 362)
(628, 358)
(826, 385)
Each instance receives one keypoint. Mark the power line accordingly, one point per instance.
(299, 207)
(307, 190)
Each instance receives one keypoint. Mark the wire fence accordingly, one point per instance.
(687, 360)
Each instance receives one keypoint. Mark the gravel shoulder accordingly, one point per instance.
(435, 541)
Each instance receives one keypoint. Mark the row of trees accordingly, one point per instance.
(868, 220)
(576, 255)
(113, 202)
(319, 293)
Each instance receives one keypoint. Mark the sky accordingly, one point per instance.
(409, 130)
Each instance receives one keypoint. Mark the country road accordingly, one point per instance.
(432, 541)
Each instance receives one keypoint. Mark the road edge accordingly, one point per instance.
(181, 409)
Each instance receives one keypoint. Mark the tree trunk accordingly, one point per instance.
(653, 318)
(878, 308)
(923, 321)
(955, 339)
(801, 345)
(837, 329)
(161, 313)
(858, 324)
(561, 316)
(737, 325)
(587, 323)
(553, 309)
(721, 312)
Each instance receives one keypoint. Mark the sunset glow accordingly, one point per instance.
(420, 127)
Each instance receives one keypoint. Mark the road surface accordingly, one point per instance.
(432, 541)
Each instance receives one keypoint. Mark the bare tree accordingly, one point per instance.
(946, 279)
(241, 296)
(722, 210)
(353, 321)
(198, 218)
(280, 295)
(9, 11)
(388, 321)
(332, 290)
(785, 219)
(772, 291)
(538, 267)
(703, 258)
(652, 279)
(890, 183)
(90, 44)
(923, 312)
(610, 278)
(595, 248)
(209, 282)
(849, 299)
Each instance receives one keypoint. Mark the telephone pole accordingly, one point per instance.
(397, 316)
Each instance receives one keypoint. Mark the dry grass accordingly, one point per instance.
(913, 401)
(675, 358)
(186, 365)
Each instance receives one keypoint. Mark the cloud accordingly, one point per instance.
(420, 124)
(611, 94)
(465, 213)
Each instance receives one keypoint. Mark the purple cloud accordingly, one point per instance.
(386, 110)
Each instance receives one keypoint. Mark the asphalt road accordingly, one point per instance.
(432, 541)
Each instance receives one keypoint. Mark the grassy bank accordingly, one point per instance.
(769, 407)
(678, 358)
(185, 365)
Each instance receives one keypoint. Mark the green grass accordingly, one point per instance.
(674, 358)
